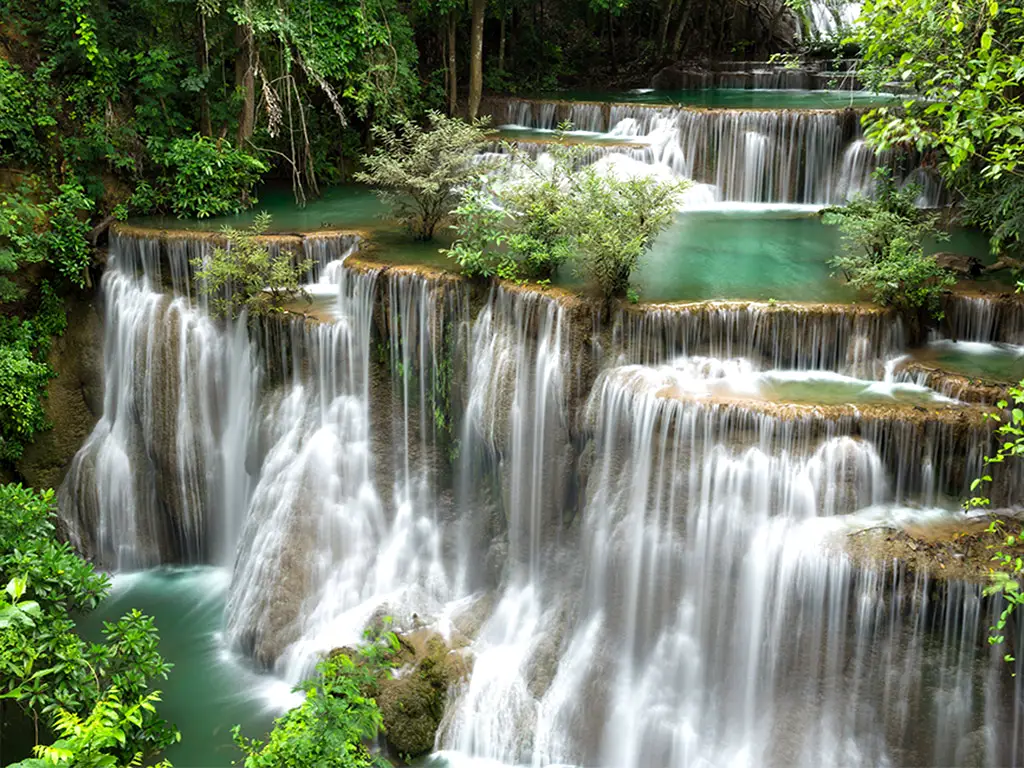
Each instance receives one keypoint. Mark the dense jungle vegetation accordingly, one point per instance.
(130, 107)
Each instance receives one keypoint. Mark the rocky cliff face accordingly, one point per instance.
(74, 397)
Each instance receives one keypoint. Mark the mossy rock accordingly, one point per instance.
(412, 702)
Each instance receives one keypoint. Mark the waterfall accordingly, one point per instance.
(753, 156)
(516, 413)
(985, 318)
(168, 447)
(786, 336)
(637, 524)
(632, 654)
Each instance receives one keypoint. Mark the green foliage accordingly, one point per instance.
(418, 173)
(21, 241)
(1007, 579)
(962, 63)
(208, 177)
(246, 277)
(24, 372)
(24, 120)
(524, 214)
(69, 251)
(882, 251)
(96, 740)
(81, 689)
(613, 222)
(331, 727)
(540, 215)
(22, 386)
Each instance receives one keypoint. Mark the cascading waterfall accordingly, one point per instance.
(642, 514)
(693, 518)
(787, 336)
(517, 412)
(178, 393)
(753, 156)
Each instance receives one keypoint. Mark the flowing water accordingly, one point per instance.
(633, 520)
(810, 156)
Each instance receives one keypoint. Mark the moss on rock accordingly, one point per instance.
(74, 399)
(412, 702)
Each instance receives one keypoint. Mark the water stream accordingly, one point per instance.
(633, 520)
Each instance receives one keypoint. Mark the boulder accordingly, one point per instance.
(959, 264)
(413, 700)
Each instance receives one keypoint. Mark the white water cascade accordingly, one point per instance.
(635, 521)
(814, 157)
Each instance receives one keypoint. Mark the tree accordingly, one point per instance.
(543, 213)
(961, 63)
(882, 251)
(419, 173)
(95, 696)
(513, 225)
(614, 222)
(209, 177)
(245, 277)
(476, 56)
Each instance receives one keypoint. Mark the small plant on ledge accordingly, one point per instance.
(882, 251)
(246, 277)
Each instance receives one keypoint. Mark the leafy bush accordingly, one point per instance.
(22, 386)
(513, 226)
(1008, 577)
(882, 251)
(20, 240)
(52, 673)
(24, 372)
(54, 231)
(418, 173)
(613, 223)
(245, 277)
(68, 249)
(23, 116)
(209, 177)
(331, 727)
(546, 212)
(339, 715)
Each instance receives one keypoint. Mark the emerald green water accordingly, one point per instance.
(753, 252)
(731, 251)
(208, 690)
(349, 206)
(735, 98)
(993, 362)
(825, 388)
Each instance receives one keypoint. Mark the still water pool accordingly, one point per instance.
(209, 690)
(719, 251)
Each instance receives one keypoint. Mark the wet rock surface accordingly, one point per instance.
(74, 401)
(948, 550)
(413, 700)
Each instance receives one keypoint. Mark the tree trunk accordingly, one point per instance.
(453, 83)
(203, 64)
(245, 80)
(476, 58)
(684, 18)
(666, 17)
(501, 42)
(611, 42)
